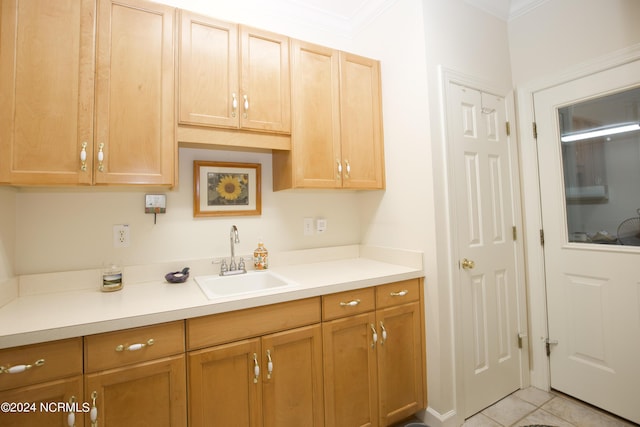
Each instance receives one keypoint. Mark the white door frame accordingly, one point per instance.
(447, 76)
(537, 298)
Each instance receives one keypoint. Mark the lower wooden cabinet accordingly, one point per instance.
(39, 404)
(146, 394)
(374, 362)
(350, 359)
(36, 379)
(270, 381)
(350, 372)
(137, 377)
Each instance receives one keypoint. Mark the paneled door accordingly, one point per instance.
(589, 188)
(488, 278)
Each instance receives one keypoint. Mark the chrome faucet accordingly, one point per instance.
(233, 238)
(233, 269)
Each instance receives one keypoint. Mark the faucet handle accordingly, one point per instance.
(241, 265)
(223, 267)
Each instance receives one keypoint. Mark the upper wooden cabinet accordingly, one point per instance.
(336, 139)
(233, 76)
(135, 88)
(61, 72)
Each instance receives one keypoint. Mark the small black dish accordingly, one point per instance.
(178, 276)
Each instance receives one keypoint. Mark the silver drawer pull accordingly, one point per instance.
(135, 347)
(399, 294)
(17, 369)
(351, 303)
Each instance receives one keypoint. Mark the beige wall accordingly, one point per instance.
(560, 34)
(7, 232)
(72, 229)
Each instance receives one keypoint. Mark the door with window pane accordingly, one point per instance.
(589, 156)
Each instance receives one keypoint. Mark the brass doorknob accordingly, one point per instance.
(467, 264)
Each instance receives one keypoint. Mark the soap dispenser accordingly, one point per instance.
(261, 257)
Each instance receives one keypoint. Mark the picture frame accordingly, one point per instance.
(226, 188)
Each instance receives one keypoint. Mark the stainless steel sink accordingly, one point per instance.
(216, 286)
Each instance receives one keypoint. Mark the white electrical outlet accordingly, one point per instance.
(121, 236)
(321, 225)
(308, 226)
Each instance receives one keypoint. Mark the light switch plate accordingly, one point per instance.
(155, 203)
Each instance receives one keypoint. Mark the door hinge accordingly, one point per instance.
(508, 126)
(548, 343)
(514, 231)
(535, 130)
(542, 237)
(521, 338)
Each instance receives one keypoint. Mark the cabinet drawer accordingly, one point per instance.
(397, 293)
(47, 361)
(120, 348)
(252, 322)
(348, 303)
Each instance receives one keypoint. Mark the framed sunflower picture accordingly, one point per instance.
(226, 189)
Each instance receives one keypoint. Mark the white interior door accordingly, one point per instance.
(482, 170)
(593, 289)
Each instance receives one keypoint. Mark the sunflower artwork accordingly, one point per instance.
(227, 189)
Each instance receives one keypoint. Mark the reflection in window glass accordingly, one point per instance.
(601, 160)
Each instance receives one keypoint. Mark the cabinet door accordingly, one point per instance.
(361, 122)
(350, 377)
(315, 133)
(208, 61)
(400, 364)
(265, 83)
(292, 378)
(46, 90)
(151, 393)
(53, 393)
(224, 389)
(135, 93)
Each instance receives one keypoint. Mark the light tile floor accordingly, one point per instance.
(533, 406)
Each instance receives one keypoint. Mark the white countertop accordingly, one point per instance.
(39, 317)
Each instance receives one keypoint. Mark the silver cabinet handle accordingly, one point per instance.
(83, 157)
(351, 303)
(348, 168)
(269, 365)
(399, 293)
(93, 413)
(135, 347)
(101, 157)
(256, 368)
(18, 369)
(374, 336)
(384, 333)
(246, 105)
(234, 104)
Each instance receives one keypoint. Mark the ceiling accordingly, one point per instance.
(350, 14)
